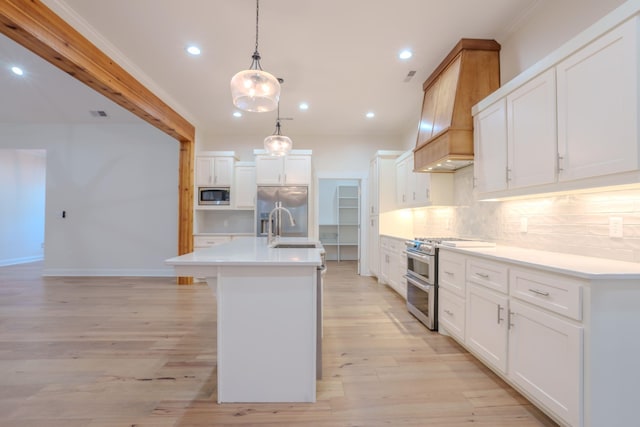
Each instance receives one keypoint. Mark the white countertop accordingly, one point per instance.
(251, 251)
(575, 265)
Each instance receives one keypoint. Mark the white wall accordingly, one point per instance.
(119, 187)
(22, 205)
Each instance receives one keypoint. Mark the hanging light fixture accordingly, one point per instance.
(278, 144)
(254, 89)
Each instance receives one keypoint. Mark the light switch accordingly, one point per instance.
(615, 226)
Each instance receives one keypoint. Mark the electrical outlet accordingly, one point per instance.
(524, 224)
(615, 226)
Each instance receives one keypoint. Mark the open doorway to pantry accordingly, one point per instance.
(22, 196)
(339, 211)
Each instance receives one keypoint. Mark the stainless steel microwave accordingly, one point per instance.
(214, 195)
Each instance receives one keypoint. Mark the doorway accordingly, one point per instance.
(339, 212)
(22, 195)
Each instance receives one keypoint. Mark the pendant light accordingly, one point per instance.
(255, 90)
(278, 144)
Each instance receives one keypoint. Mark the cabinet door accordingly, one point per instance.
(244, 190)
(223, 171)
(545, 359)
(401, 183)
(487, 327)
(491, 148)
(204, 171)
(421, 188)
(532, 145)
(598, 106)
(374, 246)
(451, 313)
(373, 186)
(297, 170)
(269, 170)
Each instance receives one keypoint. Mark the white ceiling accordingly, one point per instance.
(340, 56)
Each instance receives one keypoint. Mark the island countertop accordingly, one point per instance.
(251, 251)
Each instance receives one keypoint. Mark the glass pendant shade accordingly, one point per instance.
(278, 145)
(255, 90)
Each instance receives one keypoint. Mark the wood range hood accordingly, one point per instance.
(469, 73)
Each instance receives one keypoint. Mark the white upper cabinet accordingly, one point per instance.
(244, 190)
(213, 170)
(515, 138)
(598, 106)
(415, 189)
(286, 170)
(490, 140)
(531, 132)
(570, 121)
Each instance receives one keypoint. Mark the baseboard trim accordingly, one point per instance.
(23, 260)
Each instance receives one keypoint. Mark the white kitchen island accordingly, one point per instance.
(267, 306)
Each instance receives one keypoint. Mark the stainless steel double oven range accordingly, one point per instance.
(422, 275)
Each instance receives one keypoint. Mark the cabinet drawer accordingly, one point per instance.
(560, 294)
(451, 272)
(493, 275)
(451, 313)
(206, 241)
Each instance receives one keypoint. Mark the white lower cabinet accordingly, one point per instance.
(545, 359)
(487, 327)
(393, 264)
(451, 313)
(523, 323)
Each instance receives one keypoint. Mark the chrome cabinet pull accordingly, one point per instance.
(537, 292)
(510, 314)
(483, 275)
(560, 159)
(448, 312)
(508, 174)
(450, 273)
(500, 308)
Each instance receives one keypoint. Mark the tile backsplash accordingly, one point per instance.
(576, 223)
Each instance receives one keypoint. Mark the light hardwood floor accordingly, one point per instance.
(122, 352)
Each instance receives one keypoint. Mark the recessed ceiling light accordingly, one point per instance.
(371, 115)
(194, 50)
(237, 114)
(303, 106)
(17, 70)
(405, 54)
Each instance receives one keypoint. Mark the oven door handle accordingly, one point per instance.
(417, 256)
(414, 282)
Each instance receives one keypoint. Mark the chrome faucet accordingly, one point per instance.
(278, 207)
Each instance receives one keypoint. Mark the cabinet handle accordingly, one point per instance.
(510, 314)
(483, 275)
(285, 178)
(448, 312)
(450, 273)
(500, 308)
(428, 194)
(560, 159)
(474, 181)
(537, 292)
(279, 178)
(508, 174)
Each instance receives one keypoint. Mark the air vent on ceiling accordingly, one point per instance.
(98, 113)
(410, 75)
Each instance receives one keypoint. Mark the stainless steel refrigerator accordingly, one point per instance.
(294, 198)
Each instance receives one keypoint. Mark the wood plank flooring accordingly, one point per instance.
(122, 352)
